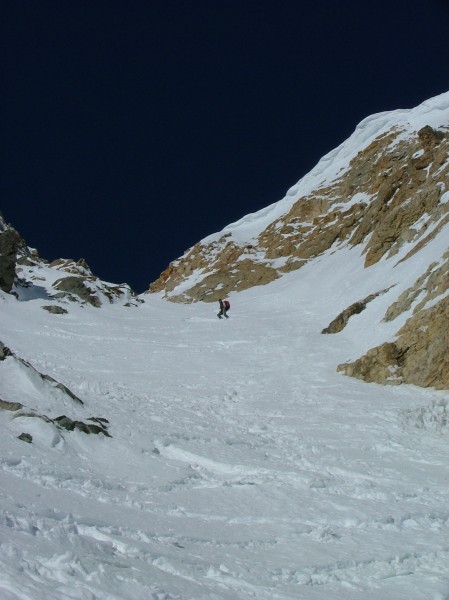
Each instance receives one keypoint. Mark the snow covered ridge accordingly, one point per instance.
(382, 192)
(27, 276)
(64, 281)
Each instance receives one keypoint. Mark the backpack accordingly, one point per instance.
(226, 304)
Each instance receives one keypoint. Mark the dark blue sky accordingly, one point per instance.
(132, 129)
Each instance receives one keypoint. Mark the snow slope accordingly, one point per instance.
(241, 465)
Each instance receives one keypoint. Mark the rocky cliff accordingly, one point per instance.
(385, 191)
(11, 247)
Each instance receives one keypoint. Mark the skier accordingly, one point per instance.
(224, 307)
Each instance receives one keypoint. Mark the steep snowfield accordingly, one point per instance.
(241, 466)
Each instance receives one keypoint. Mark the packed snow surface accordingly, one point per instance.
(241, 464)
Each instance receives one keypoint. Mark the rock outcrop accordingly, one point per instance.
(4, 351)
(223, 266)
(419, 356)
(75, 287)
(54, 309)
(14, 253)
(78, 284)
(100, 425)
(10, 242)
(341, 320)
(12, 406)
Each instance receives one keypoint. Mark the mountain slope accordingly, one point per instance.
(63, 281)
(150, 451)
(241, 465)
(384, 190)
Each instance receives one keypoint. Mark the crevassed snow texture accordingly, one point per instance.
(241, 466)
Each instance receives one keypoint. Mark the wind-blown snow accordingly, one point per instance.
(241, 466)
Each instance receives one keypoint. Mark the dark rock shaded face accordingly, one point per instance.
(9, 244)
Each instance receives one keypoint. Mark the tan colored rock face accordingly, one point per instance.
(389, 195)
(380, 365)
(419, 356)
(432, 284)
(225, 267)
